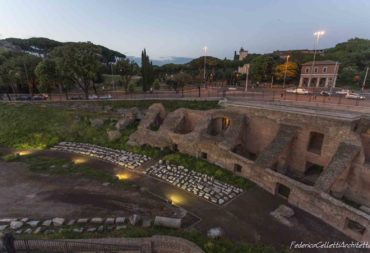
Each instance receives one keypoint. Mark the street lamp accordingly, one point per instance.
(205, 48)
(286, 69)
(317, 36)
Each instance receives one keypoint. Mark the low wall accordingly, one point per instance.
(154, 244)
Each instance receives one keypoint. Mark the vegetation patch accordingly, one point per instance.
(222, 245)
(205, 167)
(170, 105)
(25, 126)
(62, 167)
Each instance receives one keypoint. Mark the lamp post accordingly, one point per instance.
(317, 36)
(246, 76)
(286, 69)
(363, 84)
(205, 48)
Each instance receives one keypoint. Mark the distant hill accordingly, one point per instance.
(42, 46)
(163, 60)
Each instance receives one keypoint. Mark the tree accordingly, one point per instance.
(47, 75)
(156, 84)
(27, 64)
(126, 69)
(79, 62)
(11, 74)
(291, 71)
(146, 71)
(349, 76)
(179, 80)
(261, 68)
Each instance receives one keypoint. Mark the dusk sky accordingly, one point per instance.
(182, 27)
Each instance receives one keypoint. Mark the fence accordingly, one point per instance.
(256, 94)
(312, 99)
(56, 246)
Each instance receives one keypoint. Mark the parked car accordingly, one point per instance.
(326, 93)
(354, 96)
(109, 96)
(93, 97)
(39, 97)
(342, 92)
(290, 90)
(299, 91)
(23, 97)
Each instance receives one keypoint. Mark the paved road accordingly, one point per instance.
(246, 218)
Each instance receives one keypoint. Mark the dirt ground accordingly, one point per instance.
(27, 194)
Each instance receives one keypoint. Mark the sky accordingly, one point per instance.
(183, 27)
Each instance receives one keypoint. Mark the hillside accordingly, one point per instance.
(42, 46)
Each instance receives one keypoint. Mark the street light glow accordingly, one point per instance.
(205, 48)
(319, 33)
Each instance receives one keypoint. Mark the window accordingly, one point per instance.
(282, 190)
(355, 226)
(313, 169)
(203, 155)
(325, 69)
(237, 168)
(307, 70)
(316, 69)
(315, 142)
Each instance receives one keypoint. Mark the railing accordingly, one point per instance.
(311, 99)
(253, 94)
(48, 246)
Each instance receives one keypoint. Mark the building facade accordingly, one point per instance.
(243, 69)
(319, 74)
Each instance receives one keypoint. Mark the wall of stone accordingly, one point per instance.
(260, 131)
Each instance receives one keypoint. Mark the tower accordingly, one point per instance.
(242, 54)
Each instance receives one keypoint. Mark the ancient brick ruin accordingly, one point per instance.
(318, 162)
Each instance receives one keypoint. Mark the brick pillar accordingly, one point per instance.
(326, 82)
(318, 82)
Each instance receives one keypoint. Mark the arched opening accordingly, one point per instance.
(218, 125)
(185, 126)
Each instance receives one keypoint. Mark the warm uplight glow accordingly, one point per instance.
(176, 199)
(25, 152)
(79, 160)
(122, 176)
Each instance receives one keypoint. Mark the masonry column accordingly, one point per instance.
(318, 81)
(326, 82)
(300, 82)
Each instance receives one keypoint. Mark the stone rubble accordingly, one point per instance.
(81, 225)
(197, 183)
(118, 157)
(282, 214)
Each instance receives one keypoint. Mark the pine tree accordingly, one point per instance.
(146, 71)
